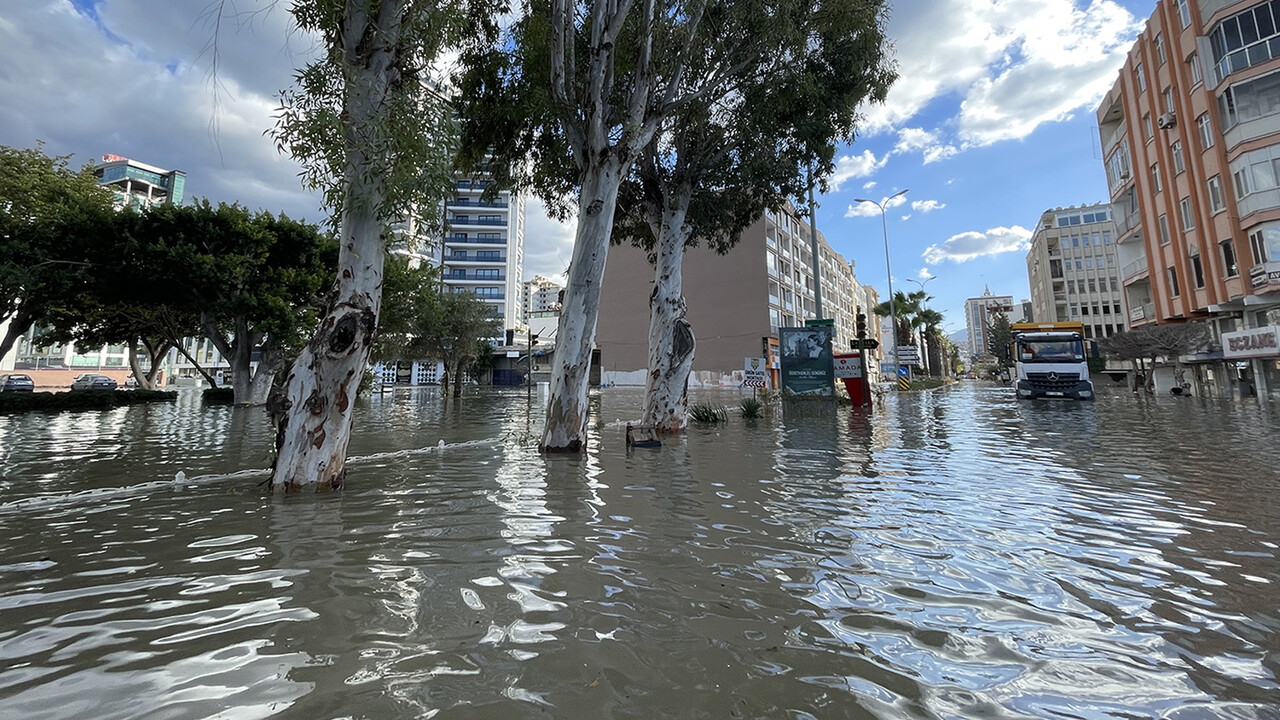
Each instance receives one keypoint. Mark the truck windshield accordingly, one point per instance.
(1048, 351)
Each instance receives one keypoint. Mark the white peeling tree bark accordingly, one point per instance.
(313, 414)
(671, 342)
(566, 426)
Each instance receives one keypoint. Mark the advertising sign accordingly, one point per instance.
(848, 366)
(755, 373)
(1258, 342)
(806, 361)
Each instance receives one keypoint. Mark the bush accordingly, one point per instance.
(707, 414)
(751, 407)
(81, 400)
(219, 396)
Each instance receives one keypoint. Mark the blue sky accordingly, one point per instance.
(990, 124)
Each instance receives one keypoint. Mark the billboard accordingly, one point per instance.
(806, 361)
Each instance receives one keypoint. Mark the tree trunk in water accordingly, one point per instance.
(566, 426)
(457, 378)
(144, 379)
(241, 379)
(313, 412)
(671, 342)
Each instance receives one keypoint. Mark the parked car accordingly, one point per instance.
(131, 381)
(93, 381)
(17, 382)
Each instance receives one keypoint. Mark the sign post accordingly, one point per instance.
(755, 374)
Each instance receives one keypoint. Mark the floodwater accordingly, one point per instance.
(953, 554)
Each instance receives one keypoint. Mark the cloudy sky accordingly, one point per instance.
(990, 124)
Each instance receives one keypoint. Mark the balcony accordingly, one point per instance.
(1141, 313)
(474, 258)
(463, 276)
(460, 238)
(471, 202)
(498, 222)
(1059, 298)
(1126, 222)
(1133, 269)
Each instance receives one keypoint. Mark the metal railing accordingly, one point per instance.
(1137, 267)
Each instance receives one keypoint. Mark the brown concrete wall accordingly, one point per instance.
(727, 296)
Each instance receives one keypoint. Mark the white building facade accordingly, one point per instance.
(1074, 272)
(483, 248)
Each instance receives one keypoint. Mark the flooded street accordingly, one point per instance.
(954, 554)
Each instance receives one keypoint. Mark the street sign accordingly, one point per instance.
(755, 373)
(904, 371)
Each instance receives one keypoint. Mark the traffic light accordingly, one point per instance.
(862, 326)
(533, 340)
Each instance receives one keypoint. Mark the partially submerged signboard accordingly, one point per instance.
(755, 373)
(806, 361)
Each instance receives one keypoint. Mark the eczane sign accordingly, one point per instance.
(1259, 342)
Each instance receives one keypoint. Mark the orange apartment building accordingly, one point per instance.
(1191, 141)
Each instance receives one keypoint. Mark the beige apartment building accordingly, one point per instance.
(1191, 141)
(1074, 272)
(736, 302)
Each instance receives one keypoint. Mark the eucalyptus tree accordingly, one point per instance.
(376, 137)
(717, 163)
(566, 106)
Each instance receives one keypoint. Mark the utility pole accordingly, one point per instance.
(813, 243)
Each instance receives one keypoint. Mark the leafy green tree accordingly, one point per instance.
(717, 163)
(375, 136)
(47, 211)
(1000, 339)
(457, 334)
(411, 298)
(566, 106)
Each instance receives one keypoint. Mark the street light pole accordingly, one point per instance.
(922, 284)
(893, 315)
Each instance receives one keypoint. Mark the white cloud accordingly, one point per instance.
(924, 274)
(1013, 65)
(926, 206)
(869, 184)
(969, 245)
(866, 209)
(855, 166)
(548, 242)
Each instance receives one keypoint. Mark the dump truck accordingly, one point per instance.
(1050, 361)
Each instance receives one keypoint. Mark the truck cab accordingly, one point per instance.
(1050, 361)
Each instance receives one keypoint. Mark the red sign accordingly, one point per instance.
(112, 158)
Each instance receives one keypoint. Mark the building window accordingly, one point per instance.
(1258, 246)
(1197, 76)
(1245, 39)
(1249, 100)
(1216, 199)
(1168, 99)
(1147, 131)
(1093, 285)
(1160, 48)
(1140, 77)
(1206, 131)
(1184, 13)
(1173, 283)
(1188, 217)
(1229, 258)
(1178, 166)
(1164, 230)
(1197, 271)
(1155, 177)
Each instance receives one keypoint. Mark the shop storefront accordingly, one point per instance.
(1254, 357)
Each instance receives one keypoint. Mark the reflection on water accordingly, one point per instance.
(952, 554)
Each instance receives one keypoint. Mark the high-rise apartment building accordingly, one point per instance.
(1191, 142)
(540, 295)
(137, 184)
(483, 249)
(736, 302)
(1073, 270)
(978, 314)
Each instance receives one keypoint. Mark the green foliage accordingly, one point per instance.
(1097, 365)
(366, 114)
(1001, 339)
(410, 302)
(752, 408)
(707, 414)
(80, 400)
(218, 396)
(48, 217)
